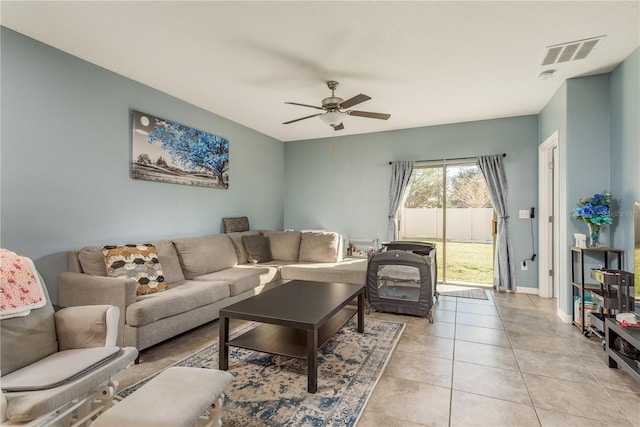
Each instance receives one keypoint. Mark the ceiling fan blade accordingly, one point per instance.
(354, 101)
(305, 105)
(339, 126)
(302, 118)
(369, 114)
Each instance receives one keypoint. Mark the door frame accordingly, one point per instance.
(444, 165)
(548, 232)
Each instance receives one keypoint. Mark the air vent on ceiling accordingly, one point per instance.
(570, 51)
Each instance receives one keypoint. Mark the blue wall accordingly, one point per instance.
(342, 183)
(625, 150)
(65, 162)
(597, 120)
(554, 117)
(588, 154)
(579, 110)
(588, 145)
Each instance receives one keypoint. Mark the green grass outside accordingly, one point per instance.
(466, 261)
(473, 262)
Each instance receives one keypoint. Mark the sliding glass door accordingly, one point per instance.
(448, 204)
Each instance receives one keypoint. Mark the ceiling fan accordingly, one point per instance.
(335, 109)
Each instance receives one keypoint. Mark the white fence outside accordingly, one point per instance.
(463, 224)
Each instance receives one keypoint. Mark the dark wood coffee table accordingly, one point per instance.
(297, 319)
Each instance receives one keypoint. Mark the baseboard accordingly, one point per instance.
(566, 318)
(526, 290)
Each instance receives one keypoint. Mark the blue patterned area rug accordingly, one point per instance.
(271, 390)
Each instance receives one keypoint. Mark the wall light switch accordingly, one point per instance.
(524, 213)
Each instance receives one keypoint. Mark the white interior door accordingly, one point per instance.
(548, 220)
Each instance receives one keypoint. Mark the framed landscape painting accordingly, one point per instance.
(165, 151)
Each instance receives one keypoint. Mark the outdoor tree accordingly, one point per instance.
(468, 189)
(425, 190)
(144, 159)
(161, 162)
(192, 149)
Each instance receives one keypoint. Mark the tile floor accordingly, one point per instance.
(506, 361)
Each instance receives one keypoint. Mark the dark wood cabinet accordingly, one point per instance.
(616, 358)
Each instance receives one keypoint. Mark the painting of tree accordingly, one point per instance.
(167, 151)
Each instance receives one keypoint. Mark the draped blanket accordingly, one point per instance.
(20, 286)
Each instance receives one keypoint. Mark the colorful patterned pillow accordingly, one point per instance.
(139, 262)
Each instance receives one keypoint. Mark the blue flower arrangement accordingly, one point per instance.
(594, 210)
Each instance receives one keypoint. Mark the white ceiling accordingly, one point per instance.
(425, 63)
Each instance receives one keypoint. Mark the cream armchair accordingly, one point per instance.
(57, 366)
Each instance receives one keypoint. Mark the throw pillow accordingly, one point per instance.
(284, 245)
(257, 248)
(319, 247)
(139, 262)
(92, 261)
(171, 268)
(236, 239)
(234, 225)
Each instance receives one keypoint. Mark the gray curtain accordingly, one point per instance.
(400, 175)
(504, 271)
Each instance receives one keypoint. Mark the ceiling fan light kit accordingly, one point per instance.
(332, 118)
(336, 109)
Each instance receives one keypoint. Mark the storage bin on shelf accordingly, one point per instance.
(589, 307)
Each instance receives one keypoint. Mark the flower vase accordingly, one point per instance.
(594, 235)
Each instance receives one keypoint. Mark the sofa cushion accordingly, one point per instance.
(353, 271)
(177, 300)
(319, 247)
(237, 224)
(92, 261)
(257, 248)
(202, 255)
(137, 261)
(241, 278)
(284, 245)
(169, 261)
(241, 251)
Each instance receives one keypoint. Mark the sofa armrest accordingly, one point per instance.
(87, 326)
(77, 289)
(83, 289)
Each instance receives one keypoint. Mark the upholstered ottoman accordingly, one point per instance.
(176, 397)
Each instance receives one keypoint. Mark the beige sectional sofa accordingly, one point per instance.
(203, 274)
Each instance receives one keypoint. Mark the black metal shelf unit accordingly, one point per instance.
(579, 282)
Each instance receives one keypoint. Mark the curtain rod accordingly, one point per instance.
(454, 158)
